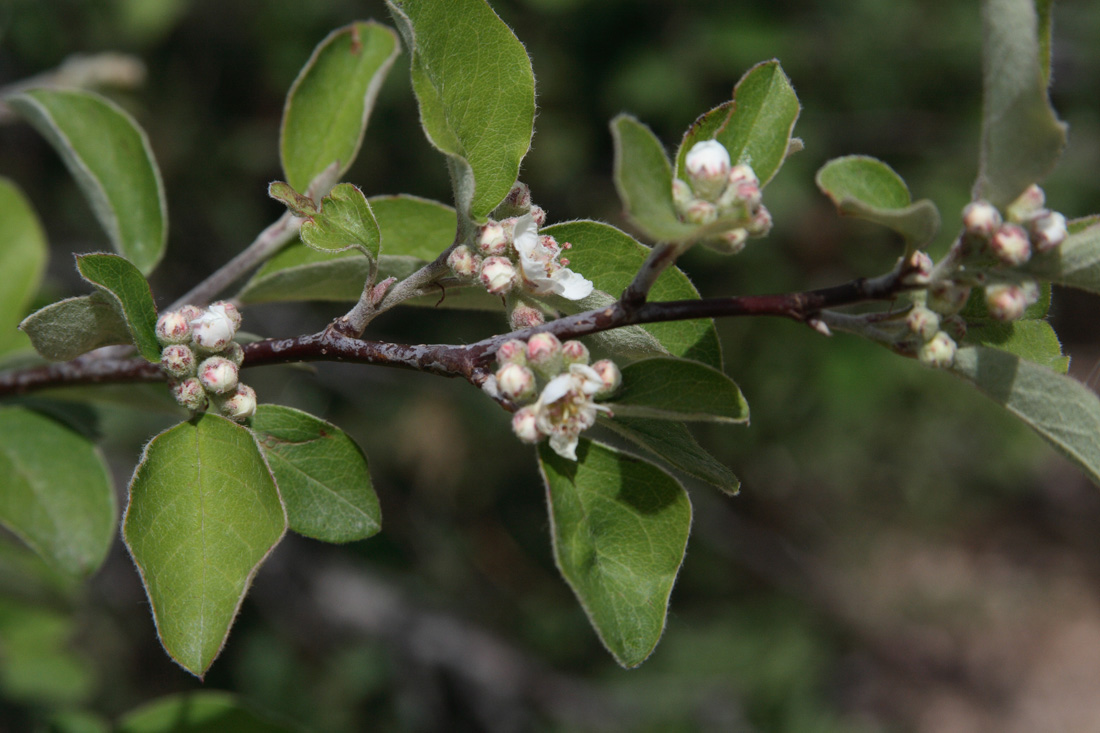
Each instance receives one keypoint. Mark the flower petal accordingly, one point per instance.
(571, 285)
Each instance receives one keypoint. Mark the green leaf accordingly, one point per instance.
(197, 712)
(755, 127)
(678, 389)
(126, 288)
(68, 328)
(643, 178)
(23, 255)
(610, 258)
(1033, 340)
(867, 188)
(345, 220)
(322, 475)
(413, 226)
(1022, 138)
(110, 158)
(1060, 409)
(1075, 263)
(619, 527)
(57, 494)
(38, 665)
(672, 443)
(476, 90)
(203, 515)
(330, 102)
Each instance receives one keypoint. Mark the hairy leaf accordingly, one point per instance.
(1033, 340)
(672, 443)
(678, 389)
(203, 515)
(344, 220)
(322, 475)
(57, 494)
(328, 105)
(1076, 263)
(129, 292)
(643, 178)
(109, 156)
(619, 527)
(476, 90)
(23, 255)
(68, 328)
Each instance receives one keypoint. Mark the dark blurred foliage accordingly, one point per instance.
(902, 556)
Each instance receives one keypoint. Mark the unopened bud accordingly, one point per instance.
(761, 222)
(218, 374)
(491, 240)
(609, 375)
(519, 197)
(1029, 203)
(954, 326)
(525, 425)
(240, 404)
(538, 214)
(947, 297)
(574, 352)
(742, 173)
(512, 351)
(1048, 230)
(700, 212)
(190, 312)
(525, 316)
(214, 329)
(516, 382)
(173, 328)
(1010, 245)
(918, 269)
(729, 242)
(1005, 302)
(939, 352)
(234, 352)
(190, 394)
(544, 354)
(498, 275)
(463, 262)
(981, 219)
(708, 166)
(177, 361)
(923, 321)
(682, 195)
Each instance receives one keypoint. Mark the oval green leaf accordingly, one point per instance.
(867, 188)
(68, 328)
(619, 528)
(129, 292)
(110, 158)
(344, 220)
(1022, 138)
(57, 494)
(672, 443)
(197, 712)
(329, 104)
(678, 389)
(322, 475)
(1033, 340)
(203, 515)
(610, 258)
(476, 90)
(643, 178)
(23, 255)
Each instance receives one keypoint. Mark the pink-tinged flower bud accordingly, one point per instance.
(574, 352)
(1029, 203)
(525, 316)
(1005, 302)
(740, 174)
(177, 361)
(682, 195)
(981, 219)
(491, 240)
(707, 165)
(240, 404)
(229, 310)
(190, 312)
(498, 275)
(234, 352)
(173, 328)
(525, 425)
(516, 382)
(729, 242)
(918, 269)
(218, 375)
(1010, 245)
(939, 352)
(954, 326)
(700, 212)
(761, 223)
(1048, 230)
(214, 329)
(609, 375)
(539, 215)
(190, 394)
(544, 354)
(923, 322)
(947, 297)
(512, 351)
(463, 262)
(519, 197)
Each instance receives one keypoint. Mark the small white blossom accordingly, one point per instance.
(214, 329)
(566, 408)
(541, 272)
(708, 167)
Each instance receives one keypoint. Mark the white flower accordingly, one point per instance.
(565, 408)
(214, 329)
(539, 266)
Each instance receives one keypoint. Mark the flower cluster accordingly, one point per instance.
(202, 360)
(510, 254)
(565, 406)
(715, 189)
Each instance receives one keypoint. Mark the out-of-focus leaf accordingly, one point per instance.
(37, 665)
(1076, 263)
(620, 528)
(56, 492)
(867, 188)
(678, 389)
(476, 90)
(197, 712)
(328, 105)
(109, 156)
(127, 288)
(68, 328)
(203, 515)
(1022, 138)
(672, 443)
(22, 261)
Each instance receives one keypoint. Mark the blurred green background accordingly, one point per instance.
(902, 556)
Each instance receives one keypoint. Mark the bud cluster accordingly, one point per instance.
(202, 361)
(510, 254)
(714, 190)
(1027, 227)
(557, 388)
